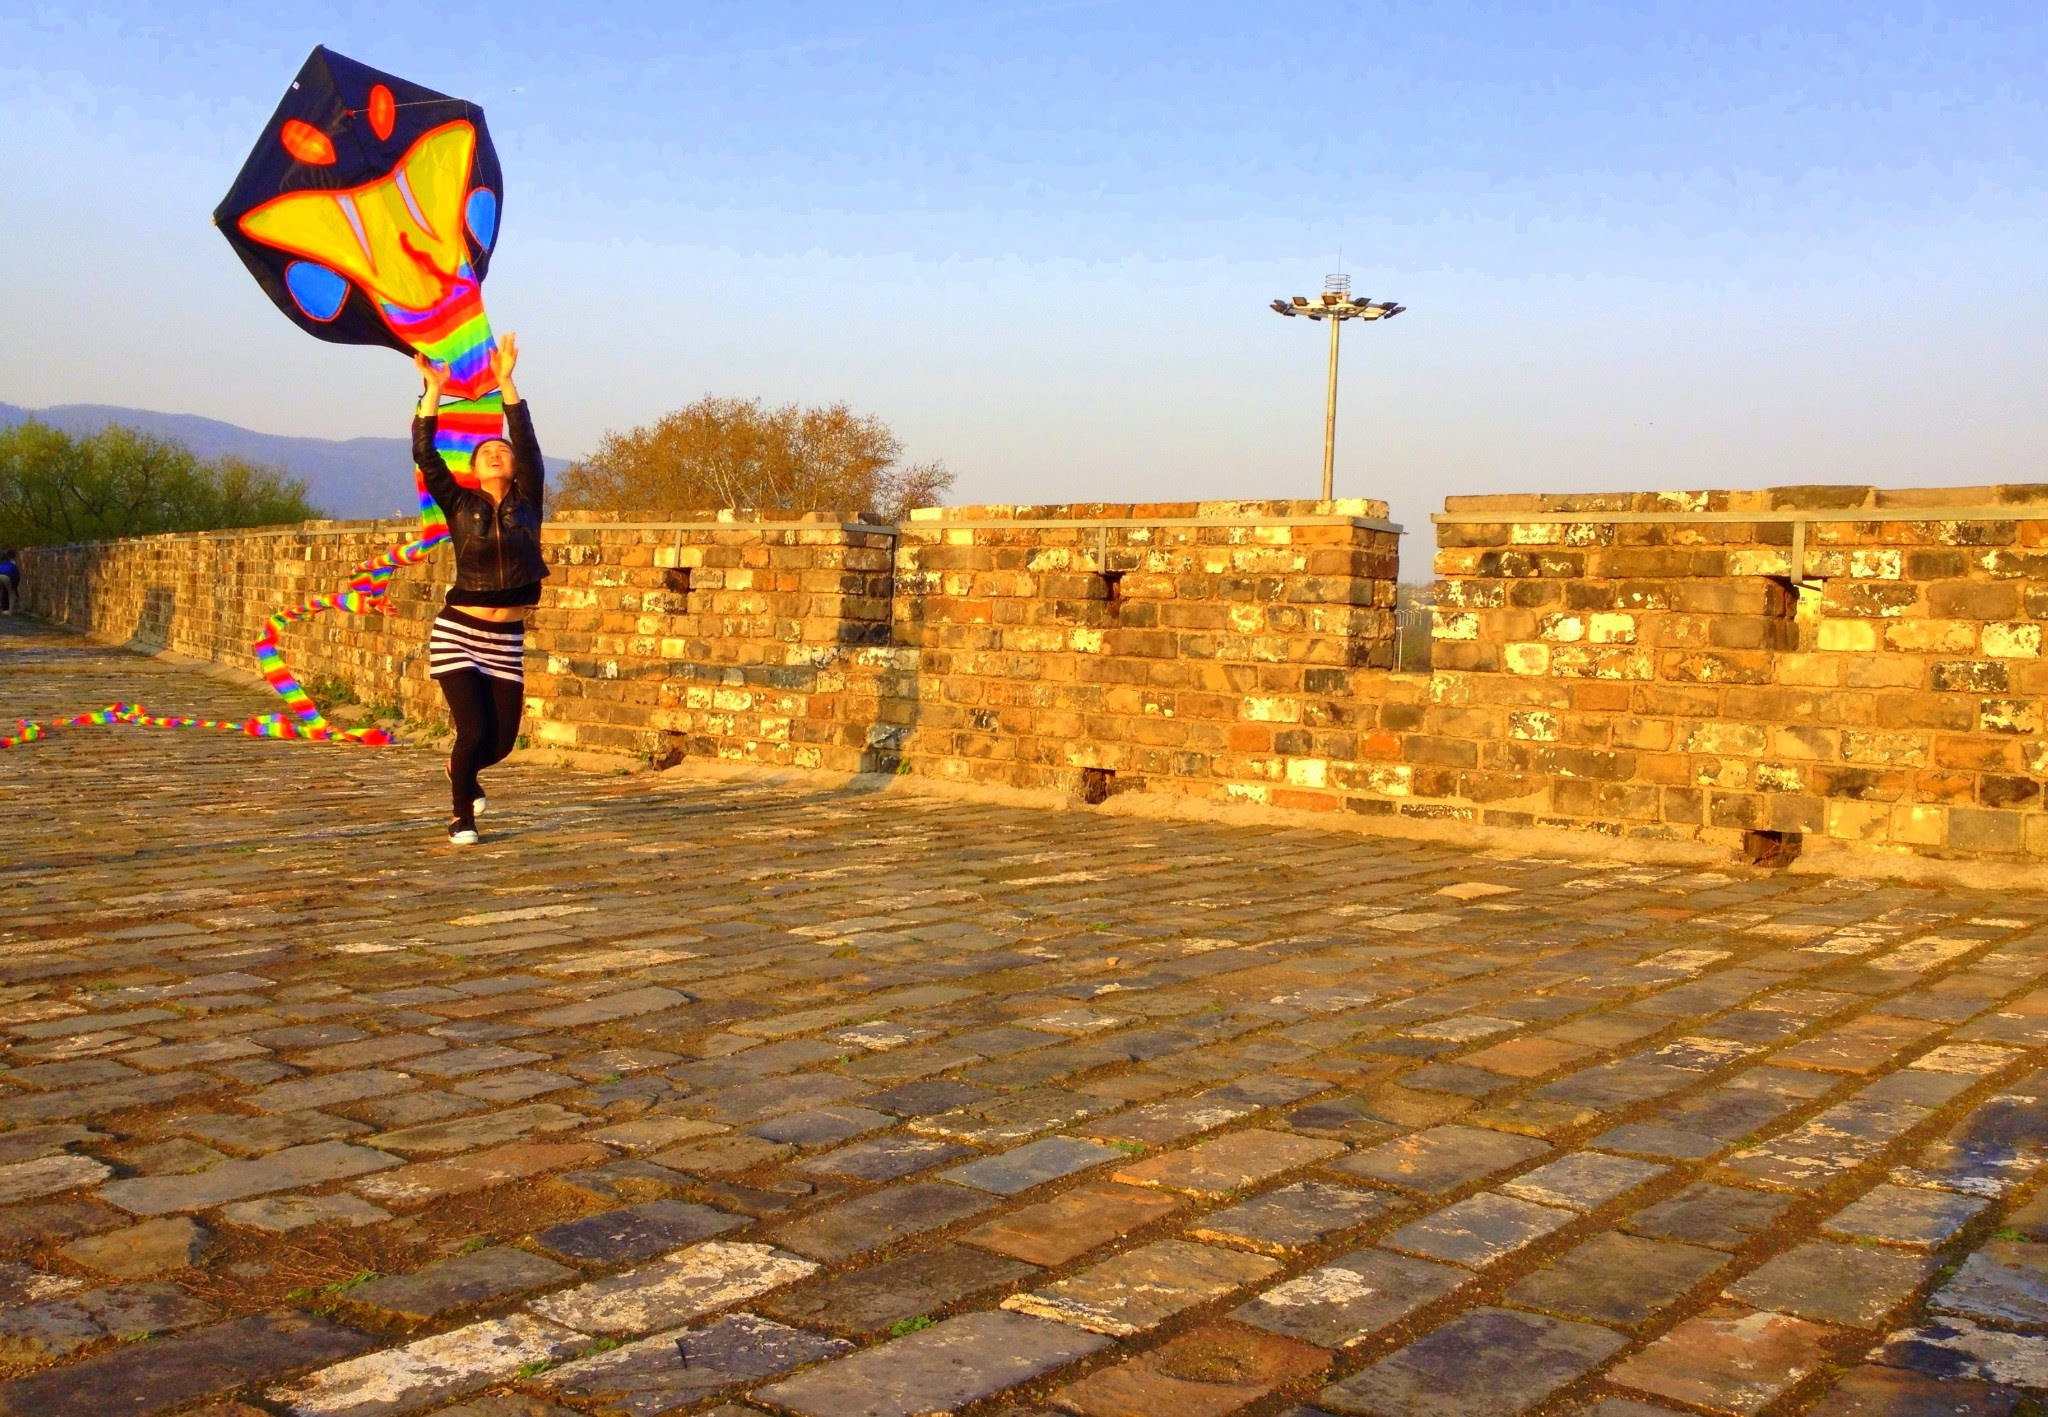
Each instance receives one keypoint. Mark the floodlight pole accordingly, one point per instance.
(1330, 419)
(1336, 306)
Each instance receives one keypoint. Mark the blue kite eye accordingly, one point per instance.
(482, 215)
(318, 292)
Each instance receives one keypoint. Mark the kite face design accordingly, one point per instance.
(367, 212)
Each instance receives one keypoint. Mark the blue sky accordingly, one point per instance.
(1642, 246)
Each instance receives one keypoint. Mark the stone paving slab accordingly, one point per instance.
(687, 1095)
(1728, 1359)
(237, 1180)
(1144, 1287)
(1617, 1279)
(688, 1283)
(671, 1371)
(1483, 1362)
(159, 1376)
(937, 1370)
(1209, 1372)
(1293, 1217)
(459, 1282)
(1069, 1225)
(900, 1290)
(1352, 1298)
(427, 1370)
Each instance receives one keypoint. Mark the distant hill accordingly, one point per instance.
(349, 477)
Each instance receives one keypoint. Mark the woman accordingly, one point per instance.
(478, 644)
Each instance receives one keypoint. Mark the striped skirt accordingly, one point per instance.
(462, 642)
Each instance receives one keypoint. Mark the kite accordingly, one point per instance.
(367, 211)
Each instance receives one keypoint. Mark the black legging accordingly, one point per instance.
(486, 712)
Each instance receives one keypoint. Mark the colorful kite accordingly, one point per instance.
(367, 212)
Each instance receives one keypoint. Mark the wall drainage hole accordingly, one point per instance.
(677, 581)
(1112, 588)
(1097, 784)
(1762, 848)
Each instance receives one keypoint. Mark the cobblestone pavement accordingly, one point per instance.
(680, 1096)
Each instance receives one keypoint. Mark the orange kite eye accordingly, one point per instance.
(383, 112)
(306, 143)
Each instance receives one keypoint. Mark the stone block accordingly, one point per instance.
(1486, 1361)
(425, 1181)
(1210, 1372)
(635, 1232)
(284, 1213)
(867, 1301)
(689, 1283)
(1893, 1392)
(1479, 1230)
(1292, 1217)
(1230, 1162)
(1441, 1158)
(1955, 1349)
(1032, 1164)
(153, 1247)
(1585, 1180)
(144, 1379)
(1858, 1286)
(879, 1218)
(1144, 1287)
(2004, 1284)
(1072, 1223)
(236, 1180)
(1727, 1359)
(1617, 1279)
(1707, 1213)
(48, 1175)
(885, 1158)
(940, 1369)
(672, 1371)
(459, 1282)
(1352, 1298)
(468, 1133)
(1904, 1215)
(427, 1371)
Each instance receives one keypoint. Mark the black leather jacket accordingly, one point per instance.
(497, 549)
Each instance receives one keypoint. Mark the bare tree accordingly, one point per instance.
(729, 452)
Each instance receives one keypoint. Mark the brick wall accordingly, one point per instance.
(1849, 663)
(1860, 668)
(728, 637)
(744, 640)
(1182, 646)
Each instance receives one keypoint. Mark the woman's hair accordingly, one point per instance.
(473, 452)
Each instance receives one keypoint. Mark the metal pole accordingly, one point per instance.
(1330, 416)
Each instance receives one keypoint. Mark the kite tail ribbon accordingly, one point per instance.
(463, 424)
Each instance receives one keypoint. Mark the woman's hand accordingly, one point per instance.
(504, 358)
(436, 379)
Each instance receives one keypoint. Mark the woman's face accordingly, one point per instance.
(493, 465)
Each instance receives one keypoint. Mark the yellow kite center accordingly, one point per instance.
(400, 238)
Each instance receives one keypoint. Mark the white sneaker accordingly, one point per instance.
(478, 806)
(466, 837)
